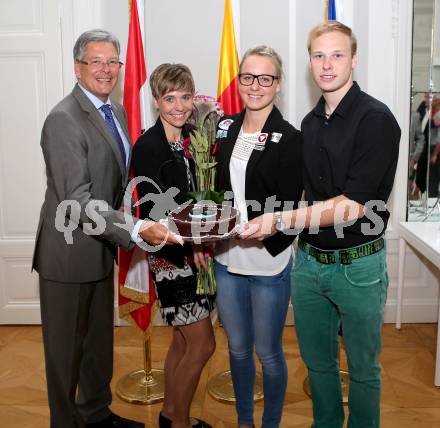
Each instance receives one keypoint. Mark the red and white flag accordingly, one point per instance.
(136, 290)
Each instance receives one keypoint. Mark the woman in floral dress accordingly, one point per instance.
(159, 157)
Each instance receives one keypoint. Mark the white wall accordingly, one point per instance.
(190, 32)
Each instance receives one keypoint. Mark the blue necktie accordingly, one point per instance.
(107, 110)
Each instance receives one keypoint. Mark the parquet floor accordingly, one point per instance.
(409, 398)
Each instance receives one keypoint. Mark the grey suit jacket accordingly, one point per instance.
(83, 165)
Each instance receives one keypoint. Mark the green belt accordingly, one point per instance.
(346, 256)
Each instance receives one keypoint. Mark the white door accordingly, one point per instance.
(30, 85)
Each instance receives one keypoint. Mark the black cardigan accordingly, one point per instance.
(153, 158)
(275, 171)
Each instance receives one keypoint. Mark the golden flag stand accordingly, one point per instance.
(145, 386)
(220, 387)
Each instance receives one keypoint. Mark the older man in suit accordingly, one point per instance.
(86, 149)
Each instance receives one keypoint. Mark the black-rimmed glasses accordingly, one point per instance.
(264, 80)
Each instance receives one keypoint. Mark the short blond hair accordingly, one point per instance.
(267, 51)
(328, 27)
(171, 77)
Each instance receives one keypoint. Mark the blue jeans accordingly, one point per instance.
(324, 295)
(253, 311)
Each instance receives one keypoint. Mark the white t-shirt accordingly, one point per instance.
(247, 257)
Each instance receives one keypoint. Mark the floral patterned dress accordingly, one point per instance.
(176, 284)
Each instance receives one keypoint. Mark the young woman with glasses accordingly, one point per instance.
(259, 159)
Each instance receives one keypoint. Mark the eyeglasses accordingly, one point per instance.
(264, 80)
(100, 64)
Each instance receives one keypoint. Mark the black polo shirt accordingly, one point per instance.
(353, 153)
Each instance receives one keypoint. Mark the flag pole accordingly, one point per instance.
(147, 358)
(145, 386)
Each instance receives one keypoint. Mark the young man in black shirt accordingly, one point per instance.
(351, 143)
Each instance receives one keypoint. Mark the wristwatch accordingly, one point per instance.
(279, 224)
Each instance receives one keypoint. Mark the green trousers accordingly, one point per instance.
(326, 297)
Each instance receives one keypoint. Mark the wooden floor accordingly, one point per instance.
(409, 398)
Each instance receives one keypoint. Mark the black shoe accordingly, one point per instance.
(201, 424)
(115, 421)
(164, 422)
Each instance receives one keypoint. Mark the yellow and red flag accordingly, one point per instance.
(227, 93)
(136, 290)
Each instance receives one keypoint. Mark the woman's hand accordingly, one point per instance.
(259, 228)
(199, 256)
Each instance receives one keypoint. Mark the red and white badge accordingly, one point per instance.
(262, 138)
(225, 124)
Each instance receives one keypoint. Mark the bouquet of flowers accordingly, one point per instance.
(202, 147)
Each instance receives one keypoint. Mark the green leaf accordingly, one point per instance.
(207, 195)
(199, 141)
(207, 165)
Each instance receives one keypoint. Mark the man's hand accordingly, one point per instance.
(259, 228)
(155, 234)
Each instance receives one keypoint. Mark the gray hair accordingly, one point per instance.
(267, 51)
(96, 35)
